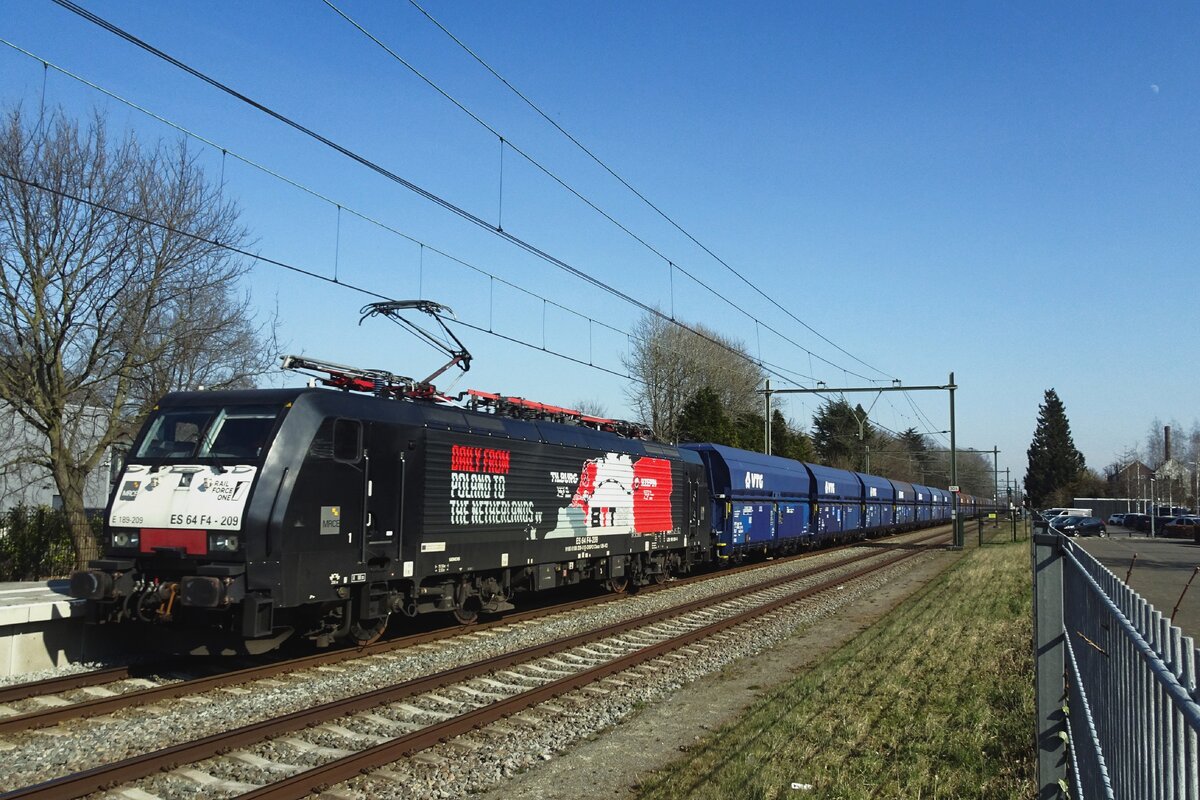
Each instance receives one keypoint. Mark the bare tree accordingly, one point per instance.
(115, 286)
(672, 364)
(591, 407)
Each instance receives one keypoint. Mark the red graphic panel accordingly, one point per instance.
(651, 495)
(193, 542)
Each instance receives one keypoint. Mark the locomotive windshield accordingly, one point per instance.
(230, 432)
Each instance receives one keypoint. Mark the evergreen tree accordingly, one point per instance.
(781, 435)
(703, 419)
(787, 441)
(1053, 460)
(836, 434)
(750, 432)
(915, 448)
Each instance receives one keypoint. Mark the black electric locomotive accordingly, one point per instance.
(242, 517)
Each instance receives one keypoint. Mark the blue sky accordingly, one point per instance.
(1008, 191)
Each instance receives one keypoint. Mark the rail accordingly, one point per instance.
(1116, 684)
(785, 587)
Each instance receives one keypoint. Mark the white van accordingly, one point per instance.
(1051, 513)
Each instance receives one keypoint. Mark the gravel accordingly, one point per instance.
(480, 761)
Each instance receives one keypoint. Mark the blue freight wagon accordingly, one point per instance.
(906, 504)
(756, 499)
(924, 504)
(941, 505)
(839, 497)
(879, 500)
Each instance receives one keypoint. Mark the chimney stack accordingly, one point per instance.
(1166, 443)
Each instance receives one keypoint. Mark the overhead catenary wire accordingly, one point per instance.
(600, 162)
(258, 257)
(776, 369)
(338, 205)
(392, 176)
(929, 426)
(723, 297)
(867, 421)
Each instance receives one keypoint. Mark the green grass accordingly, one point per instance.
(934, 701)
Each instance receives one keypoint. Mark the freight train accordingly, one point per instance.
(244, 517)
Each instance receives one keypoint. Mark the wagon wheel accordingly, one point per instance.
(367, 631)
(663, 575)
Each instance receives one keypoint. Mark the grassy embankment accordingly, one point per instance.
(935, 700)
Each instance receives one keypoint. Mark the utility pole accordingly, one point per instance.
(1153, 508)
(995, 475)
(955, 514)
(895, 387)
(1196, 494)
(767, 417)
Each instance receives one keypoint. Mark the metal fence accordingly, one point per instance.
(1116, 684)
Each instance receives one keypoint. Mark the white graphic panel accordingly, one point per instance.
(182, 496)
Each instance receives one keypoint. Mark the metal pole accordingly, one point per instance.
(1196, 495)
(995, 474)
(767, 416)
(958, 526)
(1153, 507)
(896, 387)
(1049, 655)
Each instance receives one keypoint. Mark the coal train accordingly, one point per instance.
(244, 517)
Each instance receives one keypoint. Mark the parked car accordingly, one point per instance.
(1137, 522)
(1116, 519)
(1080, 526)
(1184, 527)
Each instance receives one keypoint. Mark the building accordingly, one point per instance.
(23, 482)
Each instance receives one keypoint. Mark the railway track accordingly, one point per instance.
(393, 721)
(43, 703)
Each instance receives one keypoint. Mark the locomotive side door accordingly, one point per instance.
(384, 495)
(695, 506)
(323, 523)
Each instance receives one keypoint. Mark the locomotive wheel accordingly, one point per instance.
(617, 585)
(368, 631)
(468, 612)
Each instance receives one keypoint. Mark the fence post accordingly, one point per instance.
(1050, 663)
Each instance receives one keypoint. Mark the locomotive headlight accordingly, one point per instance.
(223, 543)
(125, 538)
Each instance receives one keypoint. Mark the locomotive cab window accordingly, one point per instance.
(347, 440)
(232, 432)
